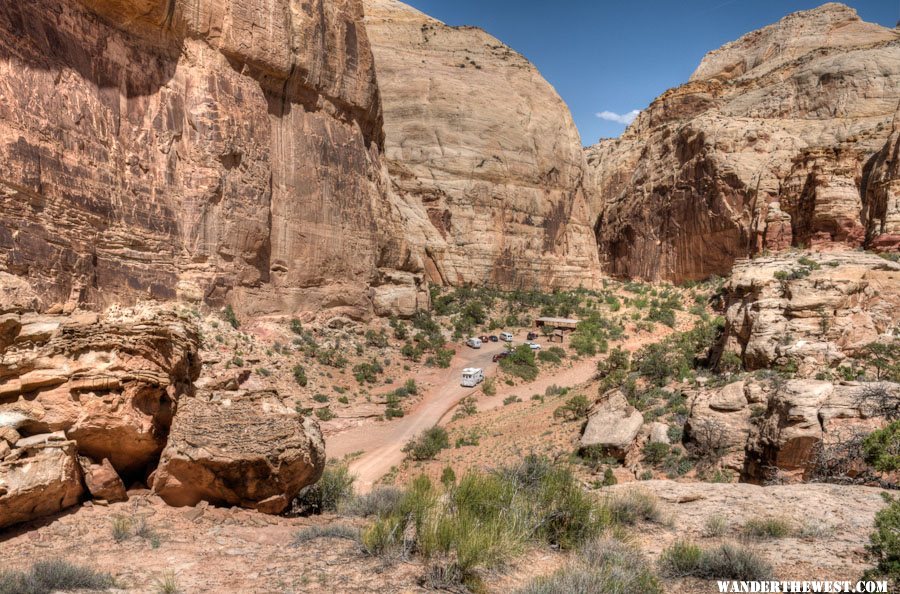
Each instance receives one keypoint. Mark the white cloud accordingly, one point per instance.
(621, 118)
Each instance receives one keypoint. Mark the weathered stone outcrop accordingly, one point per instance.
(108, 382)
(781, 138)
(483, 153)
(612, 425)
(765, 429)
(813, 309)
(208, 150)
(239, 448)
(39, 480)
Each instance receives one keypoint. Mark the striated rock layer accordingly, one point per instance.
(203, 149)
(483, 153)
(785, 137)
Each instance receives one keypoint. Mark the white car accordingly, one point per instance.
(474, 343)
(533, 346)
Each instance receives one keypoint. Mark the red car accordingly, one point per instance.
(499, 356)
(485, 338)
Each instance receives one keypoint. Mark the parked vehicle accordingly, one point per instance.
(472, 376)
(485, 338)
(499, 356)
(473, 342)
(493, 338)
(532, 335)
(533, 346)
(506, 336)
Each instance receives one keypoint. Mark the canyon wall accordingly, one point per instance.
(785, 137)
(200, 149)
(483, 154)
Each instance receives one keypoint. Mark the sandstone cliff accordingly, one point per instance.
(202, 149)
(483, 153)
(781, 138)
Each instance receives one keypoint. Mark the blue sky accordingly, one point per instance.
(607, 56)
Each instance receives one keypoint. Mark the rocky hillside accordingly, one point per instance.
(785, 137)
(483, 153)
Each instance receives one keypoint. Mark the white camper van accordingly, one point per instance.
(475, 343)
(506, 337)
(472, 376)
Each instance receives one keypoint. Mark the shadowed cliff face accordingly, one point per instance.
(205, 149)
(781, 138)
(483, 154)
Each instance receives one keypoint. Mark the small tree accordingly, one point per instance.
(884, 543)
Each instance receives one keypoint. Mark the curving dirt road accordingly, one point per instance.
(382, 444)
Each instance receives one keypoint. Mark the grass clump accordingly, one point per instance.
(603, 566)
(716, 525)
(380, 501)
(428, 444)
(726, 562)
(485, 518)
(766, 528)
(342, 531)
(327, 495)
(633, 506)
(54, 575)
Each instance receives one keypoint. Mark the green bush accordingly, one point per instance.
(230, 317)
(575, 408)
(428, 444)
(300, 376)
(520, 363)
(489, 387)
(487, 518)
(765, 528)
(296, 326)
(723, 562)
(327, 495)
(881, 448)
(54, 575)
(380, 501)
(604, 566)
(325, 413)
(549, 357)
(633, 506)
(884, 543)
(368, 372)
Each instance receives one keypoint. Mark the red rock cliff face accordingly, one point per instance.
(781, 138)
(201, 149)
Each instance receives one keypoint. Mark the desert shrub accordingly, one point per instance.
(593, 334)
(321, 398)
(730, 363)
(485, 518)
(296, 326)
(489, 388)
(604, 566)
(343, 531)
(655, 453)
(715, 525)
(725, 562)
(428, 444)
(765, 528)
(879, 400)
(53, 575)
(448, 477)
(633, 506)
(520, 363)
(382, 500)
(300, 376)
(883, 357)
(166, 584)
(662, 315)
(229, 316)
(328, 494)
(549, 357)
(368, 372)
(325, 413)
(575, 408)
(884, 543)
(881, 448)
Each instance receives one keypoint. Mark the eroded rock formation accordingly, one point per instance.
(781, 138)
(239, 448)
(483, 153)
(200, 149)
(812, 311)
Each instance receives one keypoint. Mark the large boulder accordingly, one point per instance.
(612, 425)
(108, 381)
(239, 448)
(39, 480)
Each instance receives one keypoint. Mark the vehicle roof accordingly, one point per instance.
(470, 370)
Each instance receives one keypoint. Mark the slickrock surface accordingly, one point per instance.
(824, 308)
(784, 137)
(202, 149)
(483, 153)
(239, 448)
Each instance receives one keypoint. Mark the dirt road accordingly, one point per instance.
(382, 444)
